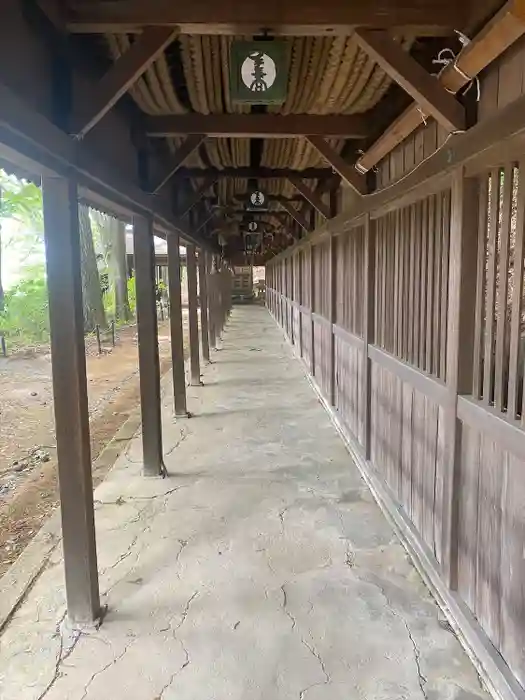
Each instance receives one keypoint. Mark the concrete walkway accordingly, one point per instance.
(261, 569)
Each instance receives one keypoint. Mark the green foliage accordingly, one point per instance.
(25, 319)
(109, 300)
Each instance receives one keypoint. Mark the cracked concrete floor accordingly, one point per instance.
(261, 568)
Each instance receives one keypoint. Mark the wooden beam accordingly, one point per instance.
(204, 304)
(312, 197)
(122, 75)
(413, 78)
(191, 270)
(502, 31)
(346, 171)
(286, 17)
(191, 144)
(276, 126)
(295, 215)
(258, 173)
(204, 221)
(270, 198)
(197, 196)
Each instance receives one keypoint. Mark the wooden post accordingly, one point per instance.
(195, 371)
(368, 329)
(203, 283)
(212, 295)
(312, 309)
(70, 398)
(460, 351)
(176, 327)
(149, 367)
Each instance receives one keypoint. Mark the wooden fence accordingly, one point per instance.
(411, 323)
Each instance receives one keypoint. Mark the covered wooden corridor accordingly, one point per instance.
(371, 155)
(261, 567)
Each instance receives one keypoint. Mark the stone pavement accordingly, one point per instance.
(260, 569)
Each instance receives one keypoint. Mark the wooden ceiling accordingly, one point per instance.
(352, 63)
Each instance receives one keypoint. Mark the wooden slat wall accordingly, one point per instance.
(466, 504)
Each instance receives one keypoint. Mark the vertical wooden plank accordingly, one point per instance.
(203, 285)
(423, 285)
(429, 334)
(513, 568)
(488, 563)
(411, 287)
(501, 364)
(332, 253)
(479, 326)
(400, 350)
(416, 284)
(488, 366)
(149, 365)
(438, 250)
(368, 330)
(312, 309)
(467, 526)
(445, 250)
(406, 448)
(60, 205)
(460, 344)
(195, 371)
(430, 473)
(396, 285)
(418, 459)
(517, 302)
(176, 328)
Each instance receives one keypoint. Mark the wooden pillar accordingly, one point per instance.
(212, 296)
(68, 360)
(149, 367)
(195, 371)
(312, 310)
(460, 351)
(176, 326)
(203, 284)
(368, 329)
(333, 298)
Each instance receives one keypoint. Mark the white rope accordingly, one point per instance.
(447, 57)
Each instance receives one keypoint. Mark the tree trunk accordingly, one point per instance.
(119, 268)
(91, 290)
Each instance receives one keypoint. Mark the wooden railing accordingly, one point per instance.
(411, 322)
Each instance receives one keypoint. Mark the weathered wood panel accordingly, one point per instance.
(348, 387)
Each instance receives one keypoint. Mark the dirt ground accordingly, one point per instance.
(28, 483)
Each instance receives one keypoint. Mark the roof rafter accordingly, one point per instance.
(258, 125)
(312, 197)
(197, 196)
(184, 152)
(294, 17)
(295, 215)
(413, 78)
(347, 172)
(122, 75)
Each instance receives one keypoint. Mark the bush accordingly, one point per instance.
(25, 319)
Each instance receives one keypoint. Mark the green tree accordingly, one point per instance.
(94, 313)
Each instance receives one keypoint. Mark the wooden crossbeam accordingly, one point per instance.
(258, 173)
(197, 196)
(506, 27)
(188, 147)
(258, 125)
(295, 215)
(270, 198)
(347, 172)
(312, 197)
(121, 76)
(205, 220)
(413, 78)
(283, 17)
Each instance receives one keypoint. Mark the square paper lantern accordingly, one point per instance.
(259, 72)
(257, 201)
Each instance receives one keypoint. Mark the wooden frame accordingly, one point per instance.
(413, 78)
(191, 144)
(288, 17)
(122, 75)
(312, 197)
(258, 125)
(347, 172)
